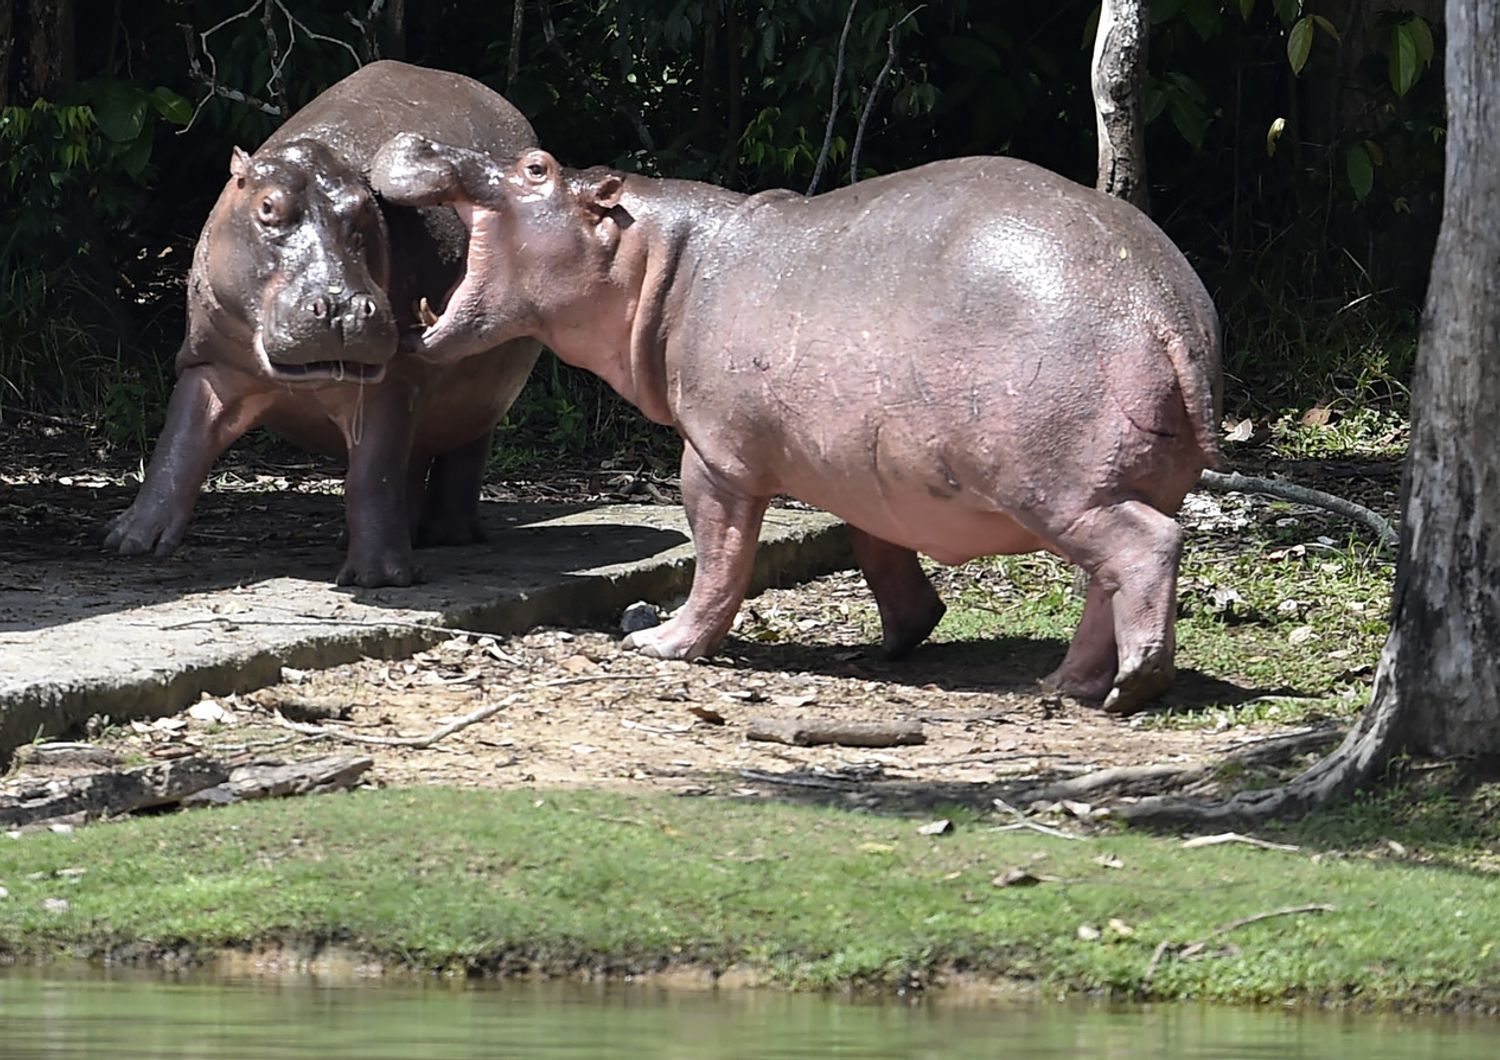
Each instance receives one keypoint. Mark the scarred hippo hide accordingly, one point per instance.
(299, 283)
(969, 358)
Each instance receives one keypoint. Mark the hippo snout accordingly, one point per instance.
(329, 332)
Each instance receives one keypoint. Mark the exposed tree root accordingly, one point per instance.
(1367, 748)
(1234, 482)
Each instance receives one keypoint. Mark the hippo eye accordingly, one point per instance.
(536, 171)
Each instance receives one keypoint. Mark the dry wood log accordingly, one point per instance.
(105, 794)
(315, 776)
(803, 732)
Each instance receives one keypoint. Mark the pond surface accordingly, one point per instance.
(43, 1015)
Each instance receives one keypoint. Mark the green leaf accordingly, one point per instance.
(1326, 26)
(120, 110)
(1203, 16)
(1299, 44)
(1361, 171)
(1246, 7)
(1288, 10)
(1404, 65)
(171, 106)
(1422, 33)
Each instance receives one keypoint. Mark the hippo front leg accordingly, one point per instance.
(726, 529)
(379, 436)
(450, 502)
(909, 606)
(200, 425)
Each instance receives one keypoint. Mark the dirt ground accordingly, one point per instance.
(577, 710)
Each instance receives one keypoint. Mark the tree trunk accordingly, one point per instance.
(7, 45)
(395, 29)
(43, 37)
(1447, 607)
(1437, 690)
(1118, 83)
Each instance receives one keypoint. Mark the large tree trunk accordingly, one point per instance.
(42, 34)
(7, 46)
(1437, 690)
(1446, 665)
(395, 29)
(1118, 83)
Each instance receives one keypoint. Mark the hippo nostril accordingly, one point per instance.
(364, 306)
(318, 307)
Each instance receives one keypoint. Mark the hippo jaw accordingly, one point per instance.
(293, 373)
(472, 319)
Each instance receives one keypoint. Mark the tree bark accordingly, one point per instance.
(1437, 690)
(1447, 602)
(41, 47)
(7, 46)
(1118, 82)
(395, 29)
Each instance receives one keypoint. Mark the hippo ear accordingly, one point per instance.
(239, 165)
(605, 193)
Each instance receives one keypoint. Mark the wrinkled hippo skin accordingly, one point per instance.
(299, 283)
(969, 358)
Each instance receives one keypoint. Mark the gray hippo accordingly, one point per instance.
(299, 283)
(969, 358)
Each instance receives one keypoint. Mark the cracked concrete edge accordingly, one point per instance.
(67, 704)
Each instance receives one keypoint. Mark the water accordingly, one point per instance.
(46, 1016)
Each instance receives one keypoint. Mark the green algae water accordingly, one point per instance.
(42, 1015)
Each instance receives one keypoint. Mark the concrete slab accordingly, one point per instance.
(91, 634)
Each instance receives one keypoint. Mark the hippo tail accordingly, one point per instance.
(1199, 386)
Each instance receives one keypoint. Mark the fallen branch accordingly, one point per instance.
(442, 732)
(809, 732)
(1234, 482)
(1192, 949)
(796, 780)
(1234, 837)
(1118, 781)
(315, 776)
(108, 794)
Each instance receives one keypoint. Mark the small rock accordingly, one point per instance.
(1016, 877)
(293, 676)
(1301, 635)
(55, 905)
(207, 710)
(1089, 933)
(579, 664)
(638, 616)
(60, 828)
(1119, 927)
(942, 827)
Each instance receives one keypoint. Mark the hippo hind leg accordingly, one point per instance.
(1131, 552)
(1088, 670)
(450, 501)
(909, 606)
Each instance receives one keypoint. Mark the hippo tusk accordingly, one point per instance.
(425, 313)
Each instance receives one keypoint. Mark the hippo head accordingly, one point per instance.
(539, 247)
(297, 254)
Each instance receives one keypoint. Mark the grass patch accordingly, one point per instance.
(483, 882)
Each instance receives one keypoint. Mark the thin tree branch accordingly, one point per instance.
(513, 63)
(885, 71)
(833, 106)
(273, 82)
(208, 79)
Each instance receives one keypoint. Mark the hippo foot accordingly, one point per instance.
(447, 531)
(1090, 688)
(139, 533)
(391, 567)
(899, 638)
(671, 640)
(1136, 688)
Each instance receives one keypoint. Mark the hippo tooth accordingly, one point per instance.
(425, 313)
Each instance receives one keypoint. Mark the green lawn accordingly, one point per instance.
(476, 882)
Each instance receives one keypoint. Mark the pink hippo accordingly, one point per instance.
(970, 358)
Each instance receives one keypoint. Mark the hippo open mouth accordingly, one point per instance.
(328, 371)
